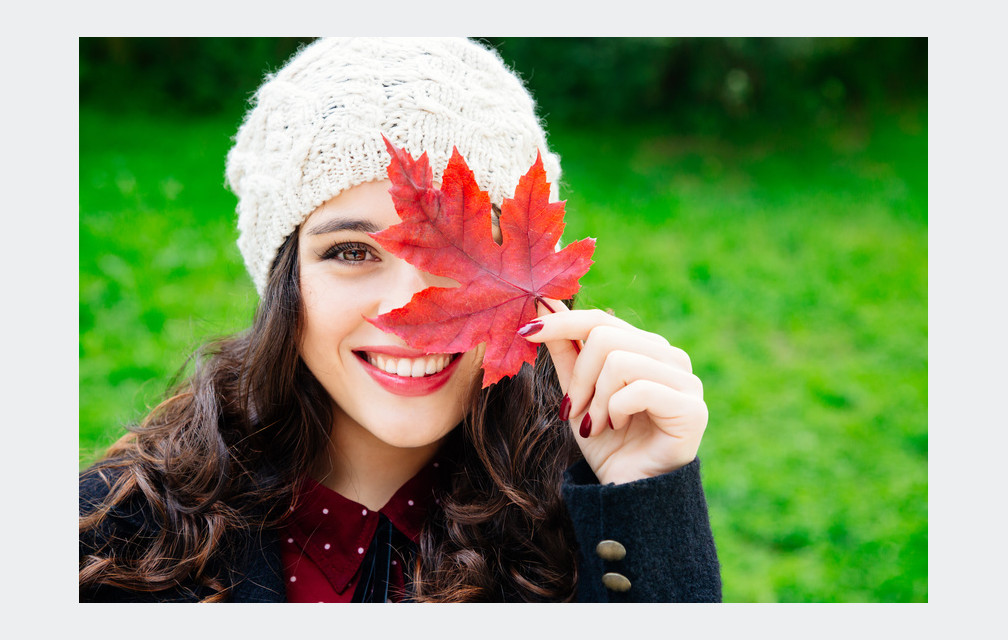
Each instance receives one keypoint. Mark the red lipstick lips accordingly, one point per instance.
(403, 385)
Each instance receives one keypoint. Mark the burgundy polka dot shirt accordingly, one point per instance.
(325, 542)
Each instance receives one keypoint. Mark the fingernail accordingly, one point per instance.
(586, 425)
(565, 406)
(531, 328)
(609, 420)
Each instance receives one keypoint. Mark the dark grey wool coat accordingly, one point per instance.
(658, 543)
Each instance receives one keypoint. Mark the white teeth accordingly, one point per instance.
(405, 368)
(409, 367)
(417, 370)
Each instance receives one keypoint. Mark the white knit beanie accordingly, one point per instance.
(315, 129)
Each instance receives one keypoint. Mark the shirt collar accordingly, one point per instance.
(335, 531)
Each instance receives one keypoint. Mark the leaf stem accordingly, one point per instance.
(577, 347)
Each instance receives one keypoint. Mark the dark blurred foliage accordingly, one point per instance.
(705, 84)
(184, 76)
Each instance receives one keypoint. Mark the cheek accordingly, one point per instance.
(332, 311)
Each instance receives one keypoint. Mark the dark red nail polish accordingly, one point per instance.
(609, 420)
(586, 425)
(565, 406)
(530, 329)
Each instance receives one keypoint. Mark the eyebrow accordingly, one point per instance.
(344, 224)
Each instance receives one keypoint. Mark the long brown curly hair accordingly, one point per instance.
(220, 457)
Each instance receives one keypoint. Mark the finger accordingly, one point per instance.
(676, 413)
(622, 368)
(681, 417)
(557, 327)
(561, 350)
(578, 324)
(602, 342)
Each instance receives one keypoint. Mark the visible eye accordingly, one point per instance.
(348, 252)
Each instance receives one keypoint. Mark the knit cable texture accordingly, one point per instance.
(315, 129)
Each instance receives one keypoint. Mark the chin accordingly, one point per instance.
(403, 421)
(409, 432)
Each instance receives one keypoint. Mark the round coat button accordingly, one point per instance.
(610, 550)
(616, 582)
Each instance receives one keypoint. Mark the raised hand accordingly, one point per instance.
(631, 397)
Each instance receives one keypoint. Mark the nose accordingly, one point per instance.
(406, 281)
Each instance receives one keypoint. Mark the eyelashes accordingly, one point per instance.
(349, 253)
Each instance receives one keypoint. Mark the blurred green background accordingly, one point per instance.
(762, 203)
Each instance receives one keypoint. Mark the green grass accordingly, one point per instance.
(791, 265)
(159, 268)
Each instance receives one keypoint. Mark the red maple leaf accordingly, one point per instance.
(448, 232)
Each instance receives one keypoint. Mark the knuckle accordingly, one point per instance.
(659, 338)
(684, 358)
(701, 415)
(697, 385)
(615, 360)
(616, 404)
(602, 336)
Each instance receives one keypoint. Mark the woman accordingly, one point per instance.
(316, 458)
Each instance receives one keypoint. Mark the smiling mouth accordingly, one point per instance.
(408, 367)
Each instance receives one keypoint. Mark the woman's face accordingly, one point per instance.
(403, 397)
